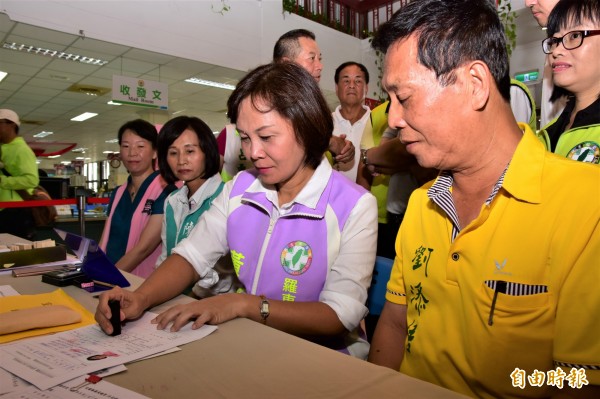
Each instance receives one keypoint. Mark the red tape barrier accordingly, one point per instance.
(68, 201)
(96, 200)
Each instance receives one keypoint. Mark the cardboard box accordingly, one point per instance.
(12, 259)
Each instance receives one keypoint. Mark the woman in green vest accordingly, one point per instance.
(573, 48)
(188, 153)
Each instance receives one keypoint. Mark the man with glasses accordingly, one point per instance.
(18, 171)
(494, 288)
(573, 48)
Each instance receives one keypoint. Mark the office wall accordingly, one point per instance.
(528, 57)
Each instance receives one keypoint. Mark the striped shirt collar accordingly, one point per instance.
(441, 194)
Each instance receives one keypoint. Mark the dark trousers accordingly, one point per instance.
(386, 236)
(18, 222)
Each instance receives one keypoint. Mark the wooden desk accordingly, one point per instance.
(245, 359)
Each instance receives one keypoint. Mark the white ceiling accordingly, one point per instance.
(37, 89)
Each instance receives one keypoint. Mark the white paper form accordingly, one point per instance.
(100, 390)
(51, 360)
(11, 383)
(7, 290)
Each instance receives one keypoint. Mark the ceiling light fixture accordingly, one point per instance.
(2, 75)
(53, 156)
(53, 53)
(59, 77)
(43, 134)
(88, 89)
(210, 83)
(112, 141)
(84, 116)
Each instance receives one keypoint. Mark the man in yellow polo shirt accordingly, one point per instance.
(494, 291)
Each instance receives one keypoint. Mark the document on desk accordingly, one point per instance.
(13, 385)
(100, 390)
(51, 360)
(7, 290)
(32, 270)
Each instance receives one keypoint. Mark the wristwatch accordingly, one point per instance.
(264, 309)
(363, 156)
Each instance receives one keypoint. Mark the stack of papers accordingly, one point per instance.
(49, 362)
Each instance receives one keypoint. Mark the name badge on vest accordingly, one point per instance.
(148, 207)
(187, 229)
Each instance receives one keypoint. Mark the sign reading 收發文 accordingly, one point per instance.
(140, 92)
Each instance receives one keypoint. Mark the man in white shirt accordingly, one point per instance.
(540, 10)
(351, 116)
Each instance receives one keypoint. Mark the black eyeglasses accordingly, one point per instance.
(570, 41)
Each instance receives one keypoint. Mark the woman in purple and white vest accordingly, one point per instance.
(301, 236)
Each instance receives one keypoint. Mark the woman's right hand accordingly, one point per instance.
(132, 307)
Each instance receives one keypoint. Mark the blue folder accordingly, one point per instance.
(94, 262)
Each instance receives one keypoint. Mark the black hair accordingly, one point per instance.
(206, 139)
(568, 13)
(141, 128)
(288, 46)
(339, 69)
(450, 34)
(294, 94)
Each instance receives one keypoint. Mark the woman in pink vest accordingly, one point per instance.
(131, 236)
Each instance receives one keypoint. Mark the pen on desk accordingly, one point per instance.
(102, 283)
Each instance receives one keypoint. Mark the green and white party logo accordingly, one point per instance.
(588, 151)
(296, 258)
